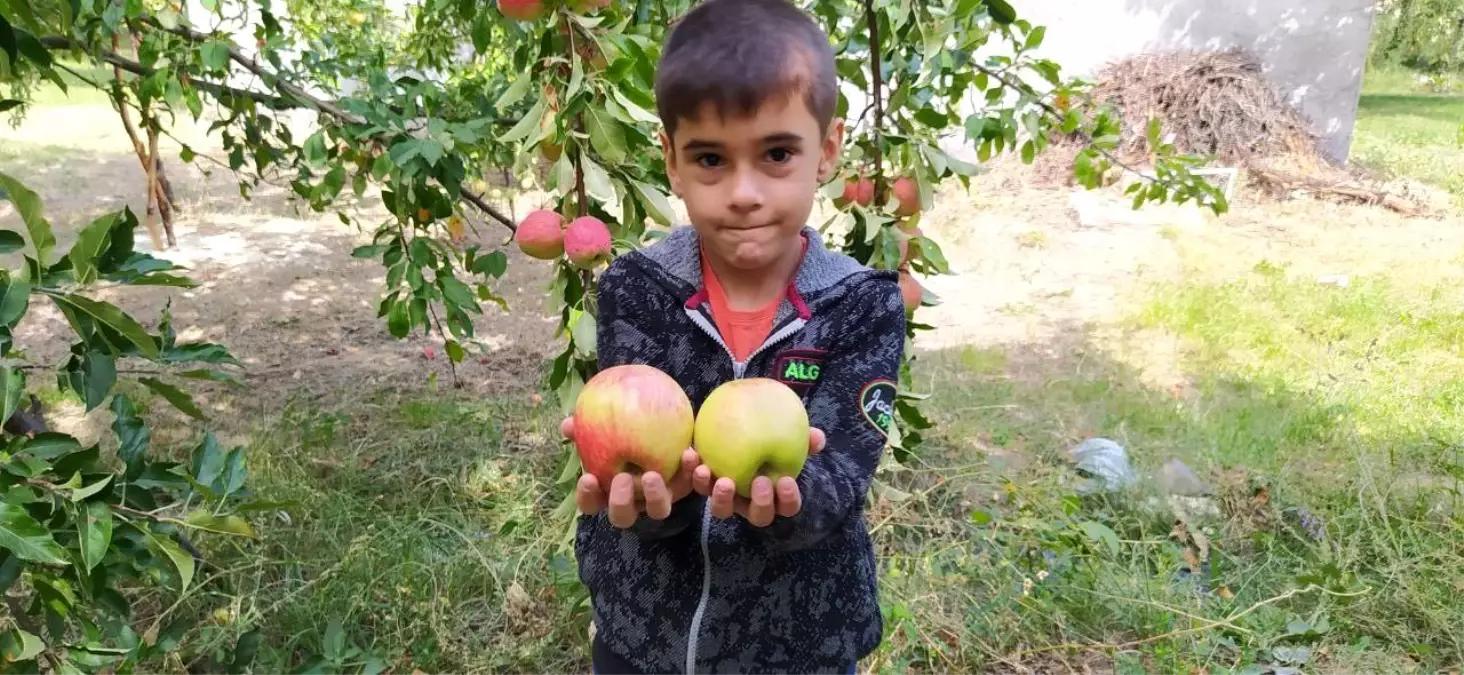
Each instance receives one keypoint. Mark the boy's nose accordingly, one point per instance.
(747, 194)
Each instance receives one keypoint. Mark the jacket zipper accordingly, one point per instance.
(738, 370)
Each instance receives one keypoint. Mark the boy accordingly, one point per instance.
(686, 576)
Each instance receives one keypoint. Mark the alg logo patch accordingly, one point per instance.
(877, 403)
(799, 368)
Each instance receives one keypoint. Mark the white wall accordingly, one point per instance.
(1313, 50)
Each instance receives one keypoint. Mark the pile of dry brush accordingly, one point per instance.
(1220, 104)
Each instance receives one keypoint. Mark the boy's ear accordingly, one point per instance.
(833, 145)
(669, 152)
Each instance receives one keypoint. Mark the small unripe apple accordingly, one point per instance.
(907, 194)
(541, 235)
(752, 427)
(521, 10)
(631, 419)
(587, 242)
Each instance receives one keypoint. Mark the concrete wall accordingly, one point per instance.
(1313, 50)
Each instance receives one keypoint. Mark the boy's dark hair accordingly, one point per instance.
(737, 54)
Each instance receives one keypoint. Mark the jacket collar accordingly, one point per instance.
(679, 255)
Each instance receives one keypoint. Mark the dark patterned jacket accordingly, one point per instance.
(693, 593)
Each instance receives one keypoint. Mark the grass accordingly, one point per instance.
(1325, 421)
(1406, 128)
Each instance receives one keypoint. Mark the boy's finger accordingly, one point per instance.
(760, 511)
(790, 500)
(587, 495)
(722, 502)
(816, 440)
(658, 498)
(622, 501)
(701, 481)
(566, 428)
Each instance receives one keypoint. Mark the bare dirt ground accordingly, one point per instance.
(281, 290)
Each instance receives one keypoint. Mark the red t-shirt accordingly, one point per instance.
(742, 330)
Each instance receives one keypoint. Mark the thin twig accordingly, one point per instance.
(877, 73)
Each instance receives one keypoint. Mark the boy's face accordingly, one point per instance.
(749, 182)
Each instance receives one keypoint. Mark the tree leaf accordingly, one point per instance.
(584, 335)
(181, 561)
(14, 298)
(95, 533)
(636, 112)
(100, 372)
(10, 241)
(215, 55)
(23, 536)
(1001, 11)
(597, 182)
(133, 436)
(114, 318)
(457, 293)
(50, 445)
(179, 398)
(514, 93)
(81, 494)
(28, 204)
(494, 264)
(606, 135)
(12, 388)
(525, 126)
(212, 375)
(17, 646)
(201, 519)
(656, 203)
(201, 352)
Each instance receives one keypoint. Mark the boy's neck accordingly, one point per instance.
(752, 289)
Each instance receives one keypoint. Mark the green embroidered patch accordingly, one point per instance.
(877, 402)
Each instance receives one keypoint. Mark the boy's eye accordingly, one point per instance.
(780, 155)
(708, 160)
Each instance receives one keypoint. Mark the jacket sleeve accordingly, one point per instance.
(619, 341)
(853, 404)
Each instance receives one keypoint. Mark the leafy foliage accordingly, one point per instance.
(1426, 35)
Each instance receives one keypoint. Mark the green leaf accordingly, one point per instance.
(10, 567)
(26, 538)
(212, 375)
(94, 530)
(606, 135)
(1001, 11)
(636, 112)
(133, 435)
(12, 387)
(28, 204)
(398, 319)
(14, 299)
(179, 398)
(50, 445)
(181, 561)
(215, 55)
(514, 93)
(81, 494)
(583, 331)
(457, 293)
(335, 641)
(455, 351)
(201, 352)
(201, 519)
(10, 241)
(1100, 533)
(100, 372)
(1034, 38)
(656, 203)
(1029, 152)
(113, 318)
(494, 264)
(597, 182)
(525, 126)
(17, 645)
(7, 40)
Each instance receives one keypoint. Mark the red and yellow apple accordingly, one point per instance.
(587, 242)
(522, 10)
(857, 191)
(907, 196)
(631, 419)
(541, 235)
(752, 427)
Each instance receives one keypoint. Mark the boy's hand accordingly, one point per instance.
(768, 500)
(624, 505)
